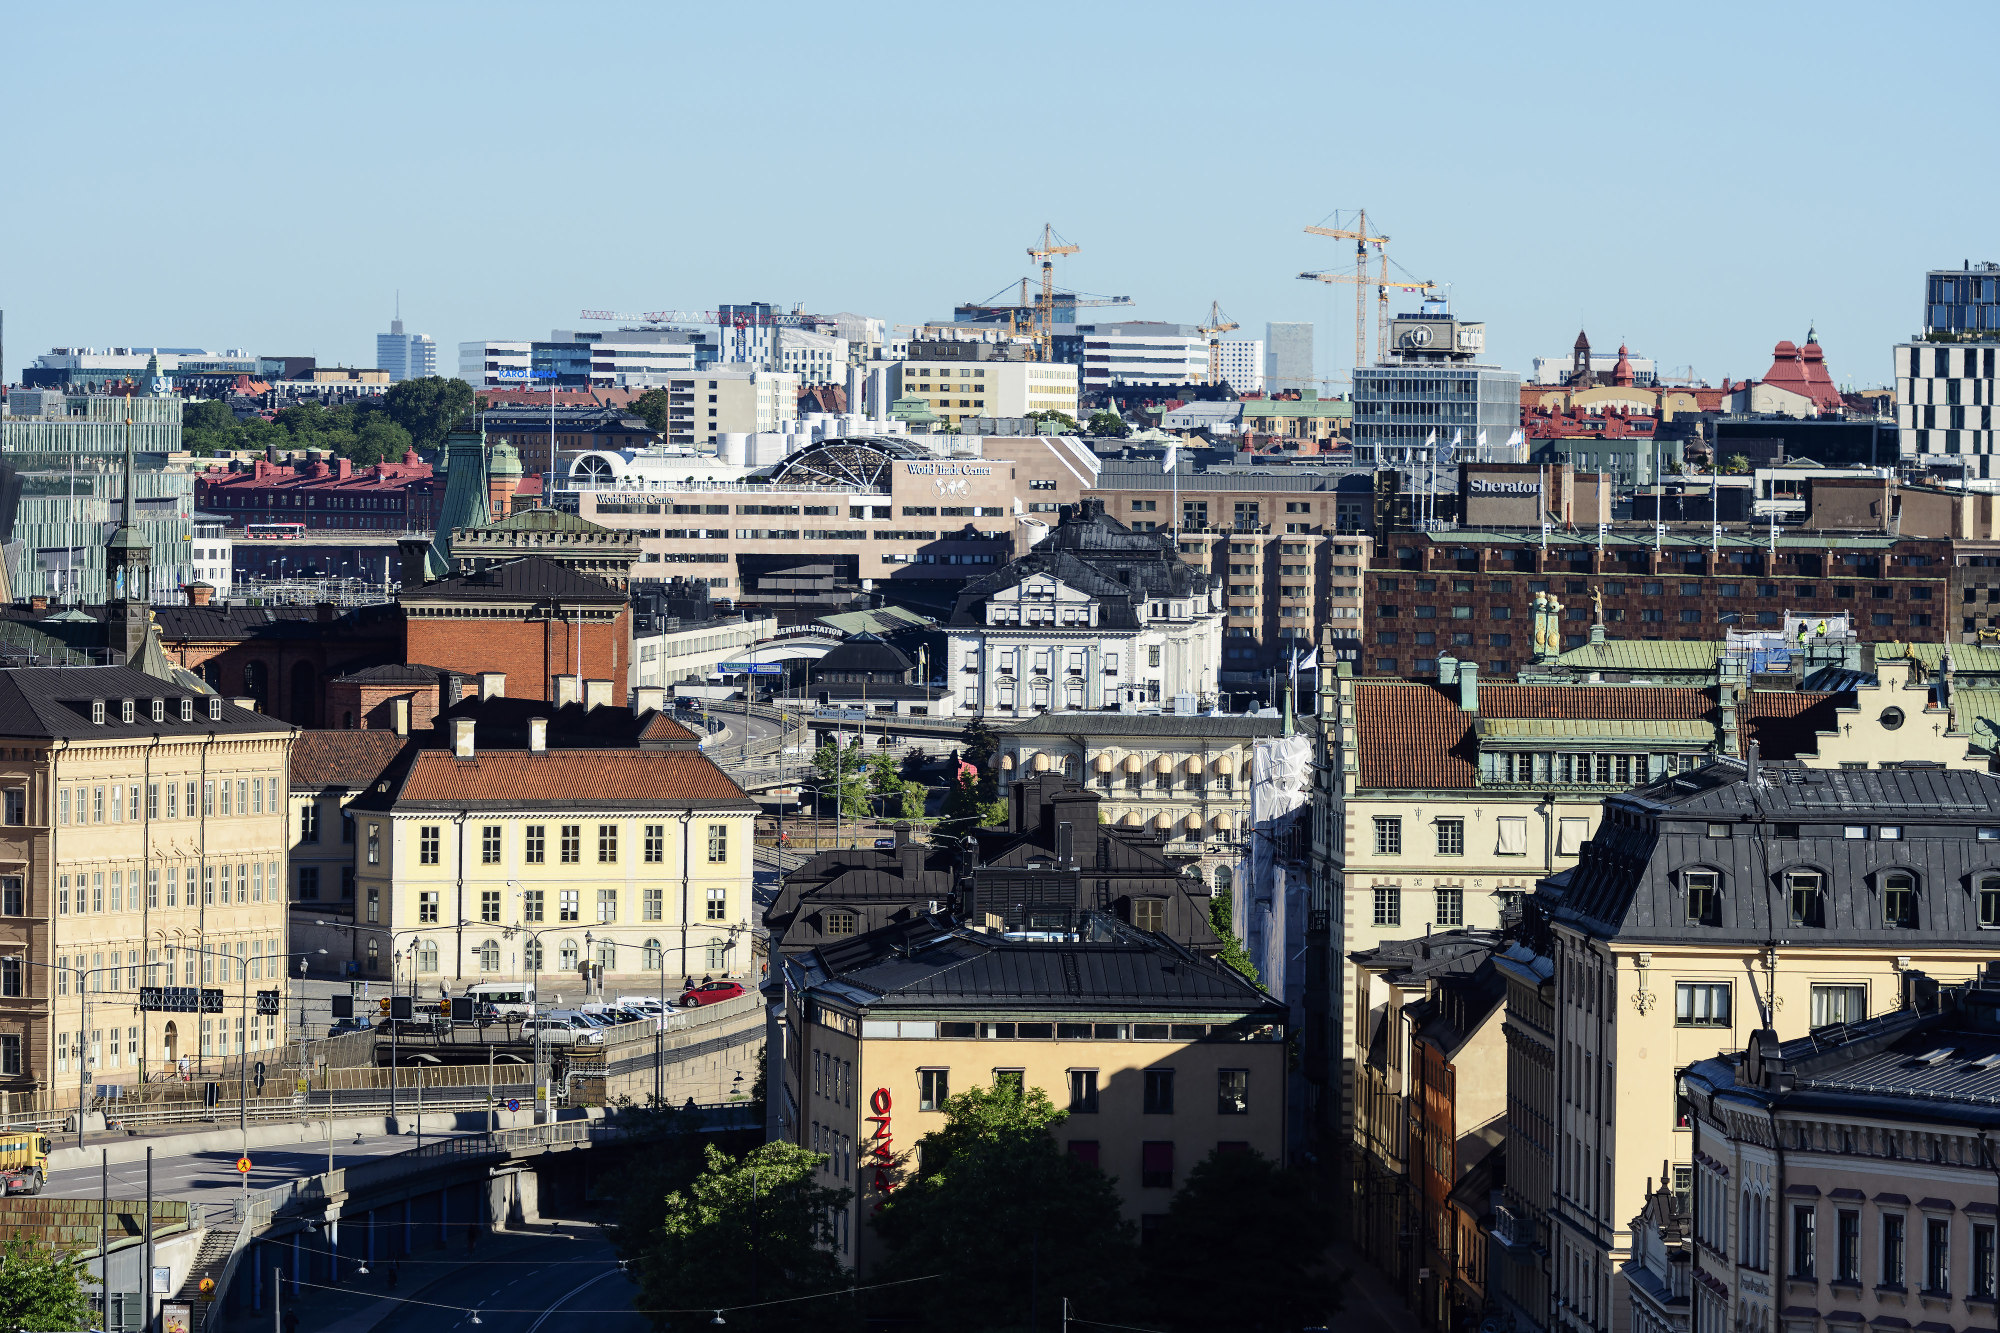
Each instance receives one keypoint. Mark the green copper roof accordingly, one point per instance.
(1978, 658)
(1977, 715)
(1594, 729)
(1688, 655)
(464, 503)
(546, 520)
(1338, 408)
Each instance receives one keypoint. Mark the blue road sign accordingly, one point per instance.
(513, 1103)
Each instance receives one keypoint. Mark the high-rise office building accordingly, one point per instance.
(1288, 357)
(1429, 393)
(406, 356)
(1240, 364)
(1947, 410)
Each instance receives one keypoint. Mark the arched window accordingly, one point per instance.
(1805, 890)
(566, 956)
(489, 956)
(531, 955)
(427, 956)
(374, 955)
(1704, 897)
(718, 955)
(1224, 879)
(656, 957)
(607, 955)
(1899, 900)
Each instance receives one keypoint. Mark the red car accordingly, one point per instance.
(711, 993)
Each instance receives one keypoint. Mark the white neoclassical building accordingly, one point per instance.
(1095, 617)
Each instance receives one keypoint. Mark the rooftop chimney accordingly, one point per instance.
(648, 699)
(596, 695)
(566, 692)
(538, 735)
(399, 715)
(909, 854)
(200, 594)
(461, 737)
(1468, 686)
(38, 603)
(492, 684)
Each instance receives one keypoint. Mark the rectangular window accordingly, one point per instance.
(718, 843)
(1451, 837)
(1805, 891)
(1512, 839)
(1232, 1092)
(207, 798)
(568, 905)
(489, 845)
(1083, 1092)
(208, 886)
(607, 844)
(1701, 1004)
(1847, 1261)
(97, 804)
(374, 844)
(933, 1087)
(1892, 1249)
(489, 904)
(1838, 1004)
(1388, 835)
(308, 884)
(1704, 898)
(1451, 907)
(1937, 1256)
(651, 904)
(427, 907)
(656, 844)
(718, 904)
(1803, 1219)
(531, 904)
(1982, 1261)
(607, 905)
(1156, 1166)
(225, 796)
(1388, 905)
(572, 844)
(1159, 1092)
(428, 843)
(534, 848)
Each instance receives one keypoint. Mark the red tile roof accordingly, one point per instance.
(322, 759)
(580, 779)
(1412, 735)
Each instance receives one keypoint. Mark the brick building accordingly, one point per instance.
(531, 618)
(1471, 594)
(323, 493)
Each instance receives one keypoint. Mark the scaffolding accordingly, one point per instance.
(312, 592)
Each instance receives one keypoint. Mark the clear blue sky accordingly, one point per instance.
(1699, 181)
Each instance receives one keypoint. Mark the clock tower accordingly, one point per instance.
(128, 574)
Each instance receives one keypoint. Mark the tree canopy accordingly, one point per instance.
(1054, 422)
(1108, 423)
(652, 406)
(1006, 1217)
(1221, 916)
(896, 797)
(842, 771)
(746, 1230)
(428, 408)
(1242, 1218)
(42, 1289)
(363, 432)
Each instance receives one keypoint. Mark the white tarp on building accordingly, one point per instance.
(1268, 909)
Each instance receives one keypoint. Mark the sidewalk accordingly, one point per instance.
(1369, 1301)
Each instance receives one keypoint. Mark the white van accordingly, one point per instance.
(509, 999)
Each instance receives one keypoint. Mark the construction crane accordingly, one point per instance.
(1045, 309)
(1362, 240)
(653, 317)
(1383, 286)
(1218, 324)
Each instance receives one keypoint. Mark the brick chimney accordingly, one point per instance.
(200, 594)
(38, 603)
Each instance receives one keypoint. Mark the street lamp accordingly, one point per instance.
(83, 1050)
(395, 983)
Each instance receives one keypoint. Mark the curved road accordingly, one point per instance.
(536, 1284)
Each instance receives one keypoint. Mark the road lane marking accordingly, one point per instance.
(532, 1328)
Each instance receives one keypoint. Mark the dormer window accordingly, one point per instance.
(97, 712)
(187, 710)
(159, 710)
(215, 710)
(125, 711)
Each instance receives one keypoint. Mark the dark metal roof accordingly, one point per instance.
(864, 652)
(931, 964)
(1075, 723)
(530, 578)
(55, 703)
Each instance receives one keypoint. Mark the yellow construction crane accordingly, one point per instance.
(1045, 308)
(1362, 240)
(1218, 324)
(1383, 286)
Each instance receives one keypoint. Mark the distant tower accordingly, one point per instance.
(128, 573)
(503, 478)
(1622, 372)
(1579, 362)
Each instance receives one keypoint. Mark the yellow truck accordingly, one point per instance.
(24, 1162)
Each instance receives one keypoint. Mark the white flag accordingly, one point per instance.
(1430, 441)
(1173, 457)
(1306, 661)
(1481, 440)
(1514, 440)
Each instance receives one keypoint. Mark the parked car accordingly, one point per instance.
(712, 992)
(347, 1025)
(560, 1031)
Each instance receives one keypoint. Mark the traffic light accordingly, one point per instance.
(402, 1006)
(343, 1006)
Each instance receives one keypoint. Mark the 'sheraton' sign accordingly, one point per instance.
(1479, 487)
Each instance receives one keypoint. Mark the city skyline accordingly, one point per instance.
(1730, 208)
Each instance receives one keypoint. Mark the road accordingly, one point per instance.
(517, 1284)
(210, 1178)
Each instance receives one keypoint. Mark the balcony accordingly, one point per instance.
(1515, 1233)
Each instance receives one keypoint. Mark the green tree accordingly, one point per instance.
(1736, 463)
(652, 406)
(1000, 1212)
(428, 408)
(379, 440)
(1108, 423)
(747, 1230)
(974, 799)
(894, 795)
(41, 1289)
(1054, 422)
(1221, 914)
(1242, 1215)
(842, 770)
